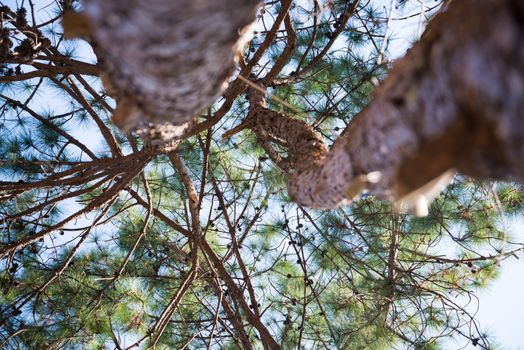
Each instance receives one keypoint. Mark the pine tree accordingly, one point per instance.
(110, 240)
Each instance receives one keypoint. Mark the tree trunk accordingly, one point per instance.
(453, 103)
(168, 60)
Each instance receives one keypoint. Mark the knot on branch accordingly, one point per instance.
(302, 143)
(280, 134)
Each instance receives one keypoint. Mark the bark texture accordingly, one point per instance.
(454, 102)
(168, 60)
(304, 146)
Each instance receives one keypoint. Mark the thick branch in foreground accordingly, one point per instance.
(453, 103)
(170, 60)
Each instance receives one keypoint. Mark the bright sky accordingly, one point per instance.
(502, 304)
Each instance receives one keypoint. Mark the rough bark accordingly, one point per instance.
(170, 60)
(305, 147)
(453, 103)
